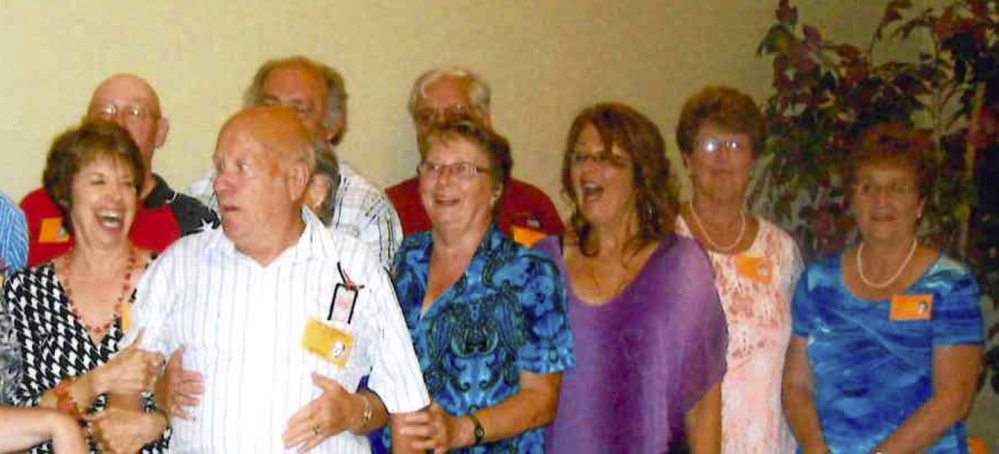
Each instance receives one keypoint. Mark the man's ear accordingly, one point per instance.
(162, 128)
(334, 130)
(298, 180)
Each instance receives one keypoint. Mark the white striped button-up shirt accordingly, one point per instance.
(360, 209)
(242, 325)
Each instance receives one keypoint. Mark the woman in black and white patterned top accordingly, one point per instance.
(68, 314)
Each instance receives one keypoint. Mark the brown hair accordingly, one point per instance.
(656, 199)
(894, 143)
(74, 149)
(496, 147)
(727, 107)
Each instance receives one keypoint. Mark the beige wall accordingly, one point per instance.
(545, 61)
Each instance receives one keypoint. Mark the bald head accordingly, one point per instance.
(131, 102)
(276, 129)
(263, 161)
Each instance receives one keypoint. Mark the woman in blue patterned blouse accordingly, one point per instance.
(487, 315)
(888, 334)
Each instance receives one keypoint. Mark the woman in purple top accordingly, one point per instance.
(649, 330)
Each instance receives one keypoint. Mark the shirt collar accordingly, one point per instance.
(161, 194)
(313, 242)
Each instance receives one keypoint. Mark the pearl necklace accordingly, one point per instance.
(860, 266)
(716, 246)
(99, 330)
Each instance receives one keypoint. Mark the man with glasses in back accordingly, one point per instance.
(525, 212)
(164, 214)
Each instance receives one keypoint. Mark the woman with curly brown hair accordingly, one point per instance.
(647, 324)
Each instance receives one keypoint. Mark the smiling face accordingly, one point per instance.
(720, 163)
(886, 202)
(454, 199)
(603, 181)
(103, 202)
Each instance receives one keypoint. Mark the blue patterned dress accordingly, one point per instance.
(505, 315)
(872, 372)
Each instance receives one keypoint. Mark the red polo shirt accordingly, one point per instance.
(164, 216)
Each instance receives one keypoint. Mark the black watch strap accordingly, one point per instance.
(480, 432)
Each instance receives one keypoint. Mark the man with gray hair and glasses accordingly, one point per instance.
(526, 213)
(316, 93)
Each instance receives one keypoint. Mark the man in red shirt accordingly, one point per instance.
(165, 214)
(526, 213)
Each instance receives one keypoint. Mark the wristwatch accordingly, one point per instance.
(480, 432)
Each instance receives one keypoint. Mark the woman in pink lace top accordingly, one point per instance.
(756, 264)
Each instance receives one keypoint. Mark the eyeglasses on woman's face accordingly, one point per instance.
(462, 169)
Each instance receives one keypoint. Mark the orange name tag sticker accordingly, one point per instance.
(126, 316)
(758, 269)
(526, 236)
(912, 307)
(327, 342)
(52, 231)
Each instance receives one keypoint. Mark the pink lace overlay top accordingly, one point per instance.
(756, 287)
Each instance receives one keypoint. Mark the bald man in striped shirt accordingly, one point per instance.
(280, 316)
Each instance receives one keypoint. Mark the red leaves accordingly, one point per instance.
(786, 14)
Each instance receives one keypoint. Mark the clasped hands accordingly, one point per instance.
(335, 411)
(126, 428)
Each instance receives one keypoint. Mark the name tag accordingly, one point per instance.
(526, 236)
(328, 342)
(52, 231)
(126, 316)
(757, 269)
(912, 307)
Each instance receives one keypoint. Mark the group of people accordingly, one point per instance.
(288, 303)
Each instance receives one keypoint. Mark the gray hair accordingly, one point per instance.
(478, 90)
(336, 100)
(326, 165)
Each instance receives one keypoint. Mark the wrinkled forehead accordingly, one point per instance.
(445, 92)
(272, 130)
(126, 89)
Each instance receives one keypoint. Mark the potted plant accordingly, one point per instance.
(827, 93)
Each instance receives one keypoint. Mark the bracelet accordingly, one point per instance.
(480, 432)
(64, 399)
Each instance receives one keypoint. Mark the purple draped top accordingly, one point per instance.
(643, 358)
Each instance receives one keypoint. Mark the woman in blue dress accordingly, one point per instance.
(888, 334)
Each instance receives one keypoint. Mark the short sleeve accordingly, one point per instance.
(801, 308)
(957, 312)
(548, 344)
(395, 375)
(22, 307)
(13, 237)
(10, 355)
(704, 344)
